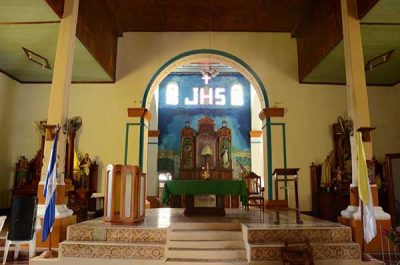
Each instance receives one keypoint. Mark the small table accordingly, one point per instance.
(189, 188)
(286, 175)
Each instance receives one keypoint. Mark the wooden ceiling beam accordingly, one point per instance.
(96, 29)
(317, 34)
(320, 30)
(57, 6)
(194, 15)
(364, 6)
(98, 32)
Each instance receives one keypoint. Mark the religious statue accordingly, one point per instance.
(21, 176)
(326, 171)
(225, 155)
(84, 166)
(187, 154)
(206, 152)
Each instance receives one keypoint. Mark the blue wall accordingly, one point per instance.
(172, 117)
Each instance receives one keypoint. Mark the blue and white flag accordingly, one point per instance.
(49, 191)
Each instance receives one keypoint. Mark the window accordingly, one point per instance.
(172, 94)
(237, 95)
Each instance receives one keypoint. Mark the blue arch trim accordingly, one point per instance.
(248, 68)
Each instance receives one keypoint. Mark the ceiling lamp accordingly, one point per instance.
(36, 58)
(207, 72)
(379, 60)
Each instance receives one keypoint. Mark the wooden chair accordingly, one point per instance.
(255, 191)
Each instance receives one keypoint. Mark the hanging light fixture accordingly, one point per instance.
(207, 72)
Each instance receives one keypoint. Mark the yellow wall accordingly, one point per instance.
(7, 89)
(385, 113)
(311, 109)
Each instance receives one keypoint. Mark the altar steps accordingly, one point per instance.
(206, 244)
(329, 244)
(205, 235)
(204, 262)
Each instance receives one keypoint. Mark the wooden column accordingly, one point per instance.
(57, 115)
(357, 96)
(358, 109)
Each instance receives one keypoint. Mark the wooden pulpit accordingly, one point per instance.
(125, 194)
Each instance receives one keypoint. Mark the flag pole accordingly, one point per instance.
(49, 253)
(51, 173)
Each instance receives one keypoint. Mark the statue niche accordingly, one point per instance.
(206, 153)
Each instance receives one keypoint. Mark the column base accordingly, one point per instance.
(352, 217)
(59, 233)
(375, 245)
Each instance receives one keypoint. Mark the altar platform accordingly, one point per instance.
(240, 237)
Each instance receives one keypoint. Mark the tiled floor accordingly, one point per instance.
(163, 217)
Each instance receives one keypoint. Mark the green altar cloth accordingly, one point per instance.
(204, 187)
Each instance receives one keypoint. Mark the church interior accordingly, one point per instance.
(199, 132)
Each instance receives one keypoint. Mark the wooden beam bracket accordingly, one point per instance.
(366, 133)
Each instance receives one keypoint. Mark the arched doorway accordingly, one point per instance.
(229, 60)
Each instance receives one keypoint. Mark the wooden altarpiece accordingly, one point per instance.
(206, 150)
(206, 154)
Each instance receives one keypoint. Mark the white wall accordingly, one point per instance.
(256, 143)
(152, 156)
(311, 109)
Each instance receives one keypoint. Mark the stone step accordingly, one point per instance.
(116, 234)
(207, 226)
(112, 250)
(205, 235)
(320, 234)
(170, 261)
(321, 251)
(206, 244)
(207, 254)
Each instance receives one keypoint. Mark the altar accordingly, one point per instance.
(206, 154)
(190, 188)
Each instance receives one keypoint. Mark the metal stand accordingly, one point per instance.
(289, 175)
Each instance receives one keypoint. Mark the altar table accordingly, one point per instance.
(189, 188)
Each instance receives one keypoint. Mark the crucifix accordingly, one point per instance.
(206, 78)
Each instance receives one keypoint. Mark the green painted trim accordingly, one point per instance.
(126, 143)
(283, 125)
(269, 158)
(142, 125)
(141, 140)
(284, 155)
(251, 71)
(209, 51)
